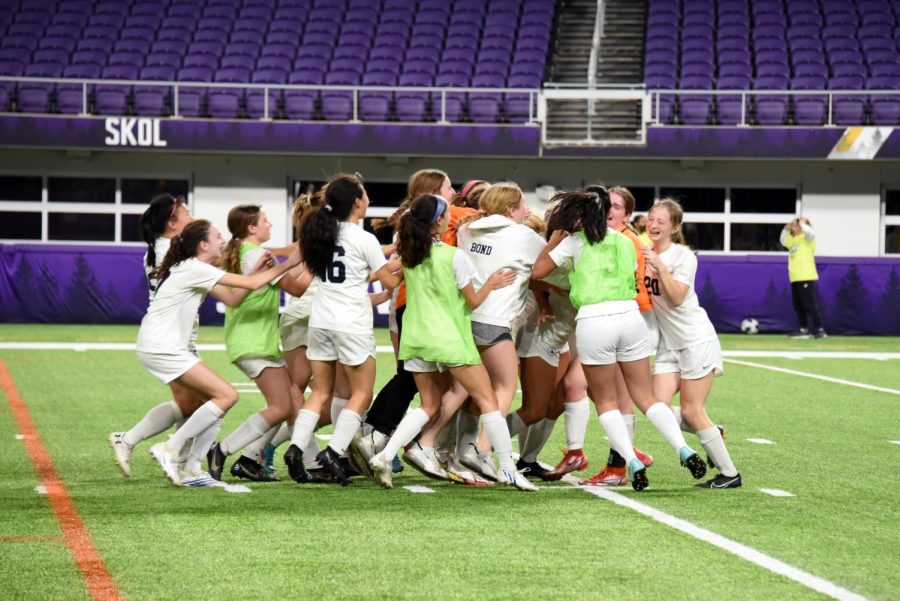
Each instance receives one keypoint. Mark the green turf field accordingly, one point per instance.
(832, 452)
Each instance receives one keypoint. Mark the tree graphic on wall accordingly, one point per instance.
(23, 289)
(889, 307)
(850, 312)
(48, 297)
(709, 300)
(776, 313)
(82, 297)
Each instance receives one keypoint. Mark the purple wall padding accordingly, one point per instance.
(101, 284)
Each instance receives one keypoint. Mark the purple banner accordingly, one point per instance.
(96, 284)
(891, 147)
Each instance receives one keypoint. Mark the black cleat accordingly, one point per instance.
(533, 470)
(639, 479)
(318, 476)
(293, 459)
(216, 459)
(248, 469)
(696, 465)
(721, 481)
(331, 461)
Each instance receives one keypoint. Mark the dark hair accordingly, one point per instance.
(580, 210)
(240, 218)
(183, 247)
(415, 239)
(319, 227)
(154, 219)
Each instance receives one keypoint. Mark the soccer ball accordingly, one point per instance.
(750, 326)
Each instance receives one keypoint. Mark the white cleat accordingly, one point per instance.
(479, 462)
(425, 461)
(200, 479)
(514, 478)
(168, 461)
(121, 451)
(381, 470)
(463, 475)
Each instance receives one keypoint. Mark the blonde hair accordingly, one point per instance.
(303, 202)
(676, 216)
(499, 199)
(423, 181)
(535, 222)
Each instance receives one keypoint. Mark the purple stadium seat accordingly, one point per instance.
(517, 105)
(133, 59)
(848, 109)
(256, 99)
(376, 106)
(387, 65)
(70, 97)
(809, 110)
(413, 106)
(225, 103)
(728, 106)
(113, 99)
(453, 102)
(37, 97)
(484, 107)
(132, 45)
(191, 100)
(301, 104)
(51, 55)
(154, 100)
(337, 105)
(885, 107)
(771, 109)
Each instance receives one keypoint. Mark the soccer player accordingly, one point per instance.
(164, 219)
(609, 327)
(438, 337)
(800, 239)
(689, 355)
(185, 277)
(342, 255)
(252, 338)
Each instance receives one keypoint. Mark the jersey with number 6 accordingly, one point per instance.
(342, 302)
(687, 324)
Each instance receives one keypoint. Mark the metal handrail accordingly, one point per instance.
(599, 24)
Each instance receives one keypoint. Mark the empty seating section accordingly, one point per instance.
(774, 46)
(496, 44)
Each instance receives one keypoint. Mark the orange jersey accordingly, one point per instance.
(456, 213)
(643, 298)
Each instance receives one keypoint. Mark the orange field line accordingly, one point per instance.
(97, 578)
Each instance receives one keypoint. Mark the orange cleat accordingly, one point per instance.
(645, 458)
(573, 461)
(608, 476)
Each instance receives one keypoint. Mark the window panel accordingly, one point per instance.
(705, 236)
(82, 226)
(131, 228)
(81, 189)
(18, 188)
(697, 200)
(16, 225)
(142, 191)
(892, 239)
(892, 202)
(643, 198)
(755, 237)
(762, 200)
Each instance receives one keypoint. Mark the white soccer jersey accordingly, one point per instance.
(342, 301)
(160, 247)
(497, 242)
(299, 307)
(686, 324)
(166, 328)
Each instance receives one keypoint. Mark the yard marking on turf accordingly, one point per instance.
(31, 539)
(760, 441)
(97, 578)
(894, 441)
(816, 376)
(775, 492)
(419, 489)
(40, 489)
(826, 587)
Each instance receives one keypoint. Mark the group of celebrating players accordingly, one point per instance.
(483, 294)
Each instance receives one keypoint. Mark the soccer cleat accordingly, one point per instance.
(248, 469)
(397, 465)
(381, 470)
(354, 465)
(639, 474)
(121, 451)
(216, 459)
(200, 479)
(801, 334)
(692, 461)
(331, 461)
(318, 475)
(424, 460)
(608, 476)
(481, 463)
(368, 441)
(645, 458)
(515, 478)
(721, 481)
(574, 460)
(820, 335)
(168, 461)
(533, 469)
(293, 459)
(457, 472)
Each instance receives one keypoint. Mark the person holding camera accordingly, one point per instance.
(800, 240)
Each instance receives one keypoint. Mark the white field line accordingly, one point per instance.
(760, 441)
(750, 554)
(40, 489)
(890, 441)
(419, 489)
(776, 492)
(805, 374)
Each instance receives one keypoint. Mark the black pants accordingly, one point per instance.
(394, 399)
(804, 297)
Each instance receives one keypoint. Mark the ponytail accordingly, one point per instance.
(319, 226)
(240, 218)
(415, 228)
(183, 247)
(153, 221)
(574, 211)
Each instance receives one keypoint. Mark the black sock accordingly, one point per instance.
(615, 460)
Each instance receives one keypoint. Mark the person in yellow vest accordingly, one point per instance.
(800, 240)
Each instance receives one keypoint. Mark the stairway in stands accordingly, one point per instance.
(620, 62)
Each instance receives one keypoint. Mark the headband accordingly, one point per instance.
(471, 184)
(439, 210)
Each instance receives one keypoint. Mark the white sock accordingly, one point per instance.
(498, 434)
(577, 416)
(617, 432)
(200, 446)
(348, 422)
(202, 419)
(711, 441)
(467, 431)
(283, 434)
(159, 419)
(629, 424)
(304, 427)
(514, 423)
(255, 449)
(662, 418)
(676, 411)
(411, 424)
(309, 454)
(538, 434)
(337, 405)
(254, 427)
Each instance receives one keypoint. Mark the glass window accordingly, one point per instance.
(705, 236)
(82, 226)
(142, 191)
(643, 198)
(697, 200)
(20, 225)
(755, 237)
(892, 239)
(81, 189)
(387, 195)
(763, 200)
(20, 188)
(892, 202)
(131, 228)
